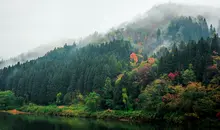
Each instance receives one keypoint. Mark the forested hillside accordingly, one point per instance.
(181, 79)
(143, 28)
(65, 70)
(160, 34)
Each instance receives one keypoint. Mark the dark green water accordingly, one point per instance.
(30, 122)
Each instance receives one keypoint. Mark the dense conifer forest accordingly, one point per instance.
(181, 79)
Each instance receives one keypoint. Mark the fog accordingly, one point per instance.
(39, 26)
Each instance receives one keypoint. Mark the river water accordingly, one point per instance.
(31, 122)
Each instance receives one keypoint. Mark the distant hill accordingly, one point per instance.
(158, 17)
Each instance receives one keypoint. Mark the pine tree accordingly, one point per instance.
(215, 44)
(188, 75)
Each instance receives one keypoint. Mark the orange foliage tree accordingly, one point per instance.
(151, 60)
(134, 57)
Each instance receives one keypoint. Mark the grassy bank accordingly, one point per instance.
(81, 111)
(131, 116)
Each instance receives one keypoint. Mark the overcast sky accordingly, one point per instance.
(26, 24)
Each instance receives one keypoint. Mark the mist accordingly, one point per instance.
(31, 29)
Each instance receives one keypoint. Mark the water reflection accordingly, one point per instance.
(30, 122)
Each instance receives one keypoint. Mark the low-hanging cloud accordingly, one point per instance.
(157, 17)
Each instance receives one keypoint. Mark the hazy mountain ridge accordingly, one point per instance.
(158, 16)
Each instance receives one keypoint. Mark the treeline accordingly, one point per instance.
(188, 28)
(66, 70)
(199, 54)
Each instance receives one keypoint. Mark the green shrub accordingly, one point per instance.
(93, 101)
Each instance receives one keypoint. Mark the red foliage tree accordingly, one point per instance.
(134, 57)
(172, 76)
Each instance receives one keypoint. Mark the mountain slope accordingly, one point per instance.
(66, 69)
(157, 17)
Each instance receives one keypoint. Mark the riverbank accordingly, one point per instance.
(15, 112)
(81, 111)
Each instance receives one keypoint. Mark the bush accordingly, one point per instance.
(93, 101)
(204, 107)
(7, 100)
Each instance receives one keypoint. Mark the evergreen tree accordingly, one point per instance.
(188, 75)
